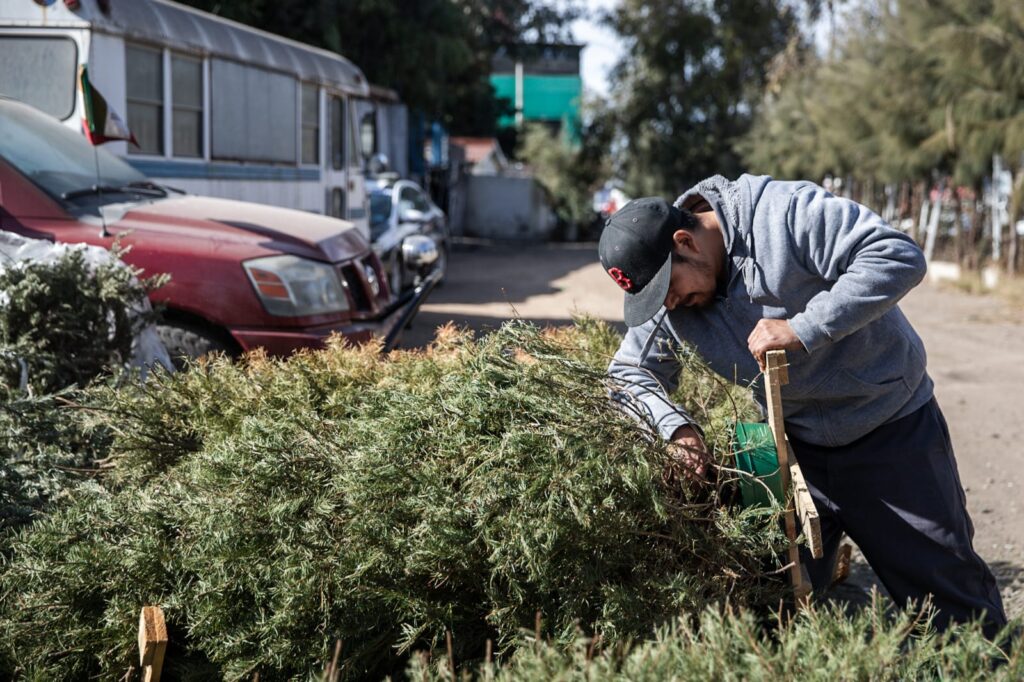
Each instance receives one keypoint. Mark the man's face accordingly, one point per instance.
(693, 284)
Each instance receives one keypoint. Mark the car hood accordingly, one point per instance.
(270, 227)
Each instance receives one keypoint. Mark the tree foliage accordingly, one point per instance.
(822, 643)
(570, 173)
(63, 325)
(919, 87)
(272, 507)
(688, 86)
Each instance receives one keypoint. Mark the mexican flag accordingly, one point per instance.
(101, 122)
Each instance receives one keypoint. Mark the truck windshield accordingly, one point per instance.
(61, 161)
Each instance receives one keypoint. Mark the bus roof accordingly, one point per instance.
(176, 26)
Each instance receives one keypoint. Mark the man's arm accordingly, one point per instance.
(872, 265)
(646, 368)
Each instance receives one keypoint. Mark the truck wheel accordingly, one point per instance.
(189, 343)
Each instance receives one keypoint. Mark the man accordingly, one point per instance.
(736, 269)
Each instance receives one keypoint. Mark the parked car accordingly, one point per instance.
(243, 275)
(400, 209)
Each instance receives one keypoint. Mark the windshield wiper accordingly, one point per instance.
(150, 185)
(133, 188)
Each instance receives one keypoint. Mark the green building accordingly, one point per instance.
(542, 81)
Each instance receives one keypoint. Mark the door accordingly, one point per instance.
(358, 206)
(335, 162)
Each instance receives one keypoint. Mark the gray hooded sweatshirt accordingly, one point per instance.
(830, 266)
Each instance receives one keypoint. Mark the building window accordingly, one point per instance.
(145, 83)
(310, 124)
(187, 112)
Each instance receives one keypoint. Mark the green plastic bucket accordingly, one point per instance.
(754, 450)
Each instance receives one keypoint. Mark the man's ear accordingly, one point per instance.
(685, 243)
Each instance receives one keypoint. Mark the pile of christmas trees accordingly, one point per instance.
(405, 512)
(275, 507)
(69, 316)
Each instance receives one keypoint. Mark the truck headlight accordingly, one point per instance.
(290, 286)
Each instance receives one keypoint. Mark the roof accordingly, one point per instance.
(177, 26)
(479, 148)
(380, 93)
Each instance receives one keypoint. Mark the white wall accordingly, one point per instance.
(504, 207)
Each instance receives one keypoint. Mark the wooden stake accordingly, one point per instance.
(451, 655)
(152, 642)
(805, 509)
(776, 374)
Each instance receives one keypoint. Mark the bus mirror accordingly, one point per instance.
(378, 164)
(368, 134)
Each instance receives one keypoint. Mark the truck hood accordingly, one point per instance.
(281, 229)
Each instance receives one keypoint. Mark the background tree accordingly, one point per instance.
(688, 85)
(570, 173)
(917, 94)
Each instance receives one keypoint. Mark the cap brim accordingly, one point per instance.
(645, 304)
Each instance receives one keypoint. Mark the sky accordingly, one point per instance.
(602, 50)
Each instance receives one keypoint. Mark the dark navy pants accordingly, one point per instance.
(897, 494)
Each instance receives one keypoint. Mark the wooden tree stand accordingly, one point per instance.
(152, 642)
(776, 376)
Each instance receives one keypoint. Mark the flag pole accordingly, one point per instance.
(99, 206)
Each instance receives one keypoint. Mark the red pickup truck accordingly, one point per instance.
(243, 275)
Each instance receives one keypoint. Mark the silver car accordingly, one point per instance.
(400, 209)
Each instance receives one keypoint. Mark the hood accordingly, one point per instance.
(269, 227)
(734, 204)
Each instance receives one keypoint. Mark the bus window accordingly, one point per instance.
(187, 111)
(337, 133)
(247, 105)
(40, 72)
(353, 154)
(310, 124)
(145, 83)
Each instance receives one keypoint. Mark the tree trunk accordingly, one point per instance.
(933, 222)
(922, 212)
(905, 201)
(976, 231)
(1016, 201)
(958, 225)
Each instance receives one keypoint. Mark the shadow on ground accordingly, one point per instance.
(487, 274)
(855, 592)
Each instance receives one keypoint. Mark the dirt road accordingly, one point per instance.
(976, 356)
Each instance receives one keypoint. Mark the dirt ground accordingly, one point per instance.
(975, 355)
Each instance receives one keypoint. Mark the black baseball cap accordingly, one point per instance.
(636, 251)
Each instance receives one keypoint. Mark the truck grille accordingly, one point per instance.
(364, 280)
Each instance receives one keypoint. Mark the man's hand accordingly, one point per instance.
(689, 455)
(772, 335)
